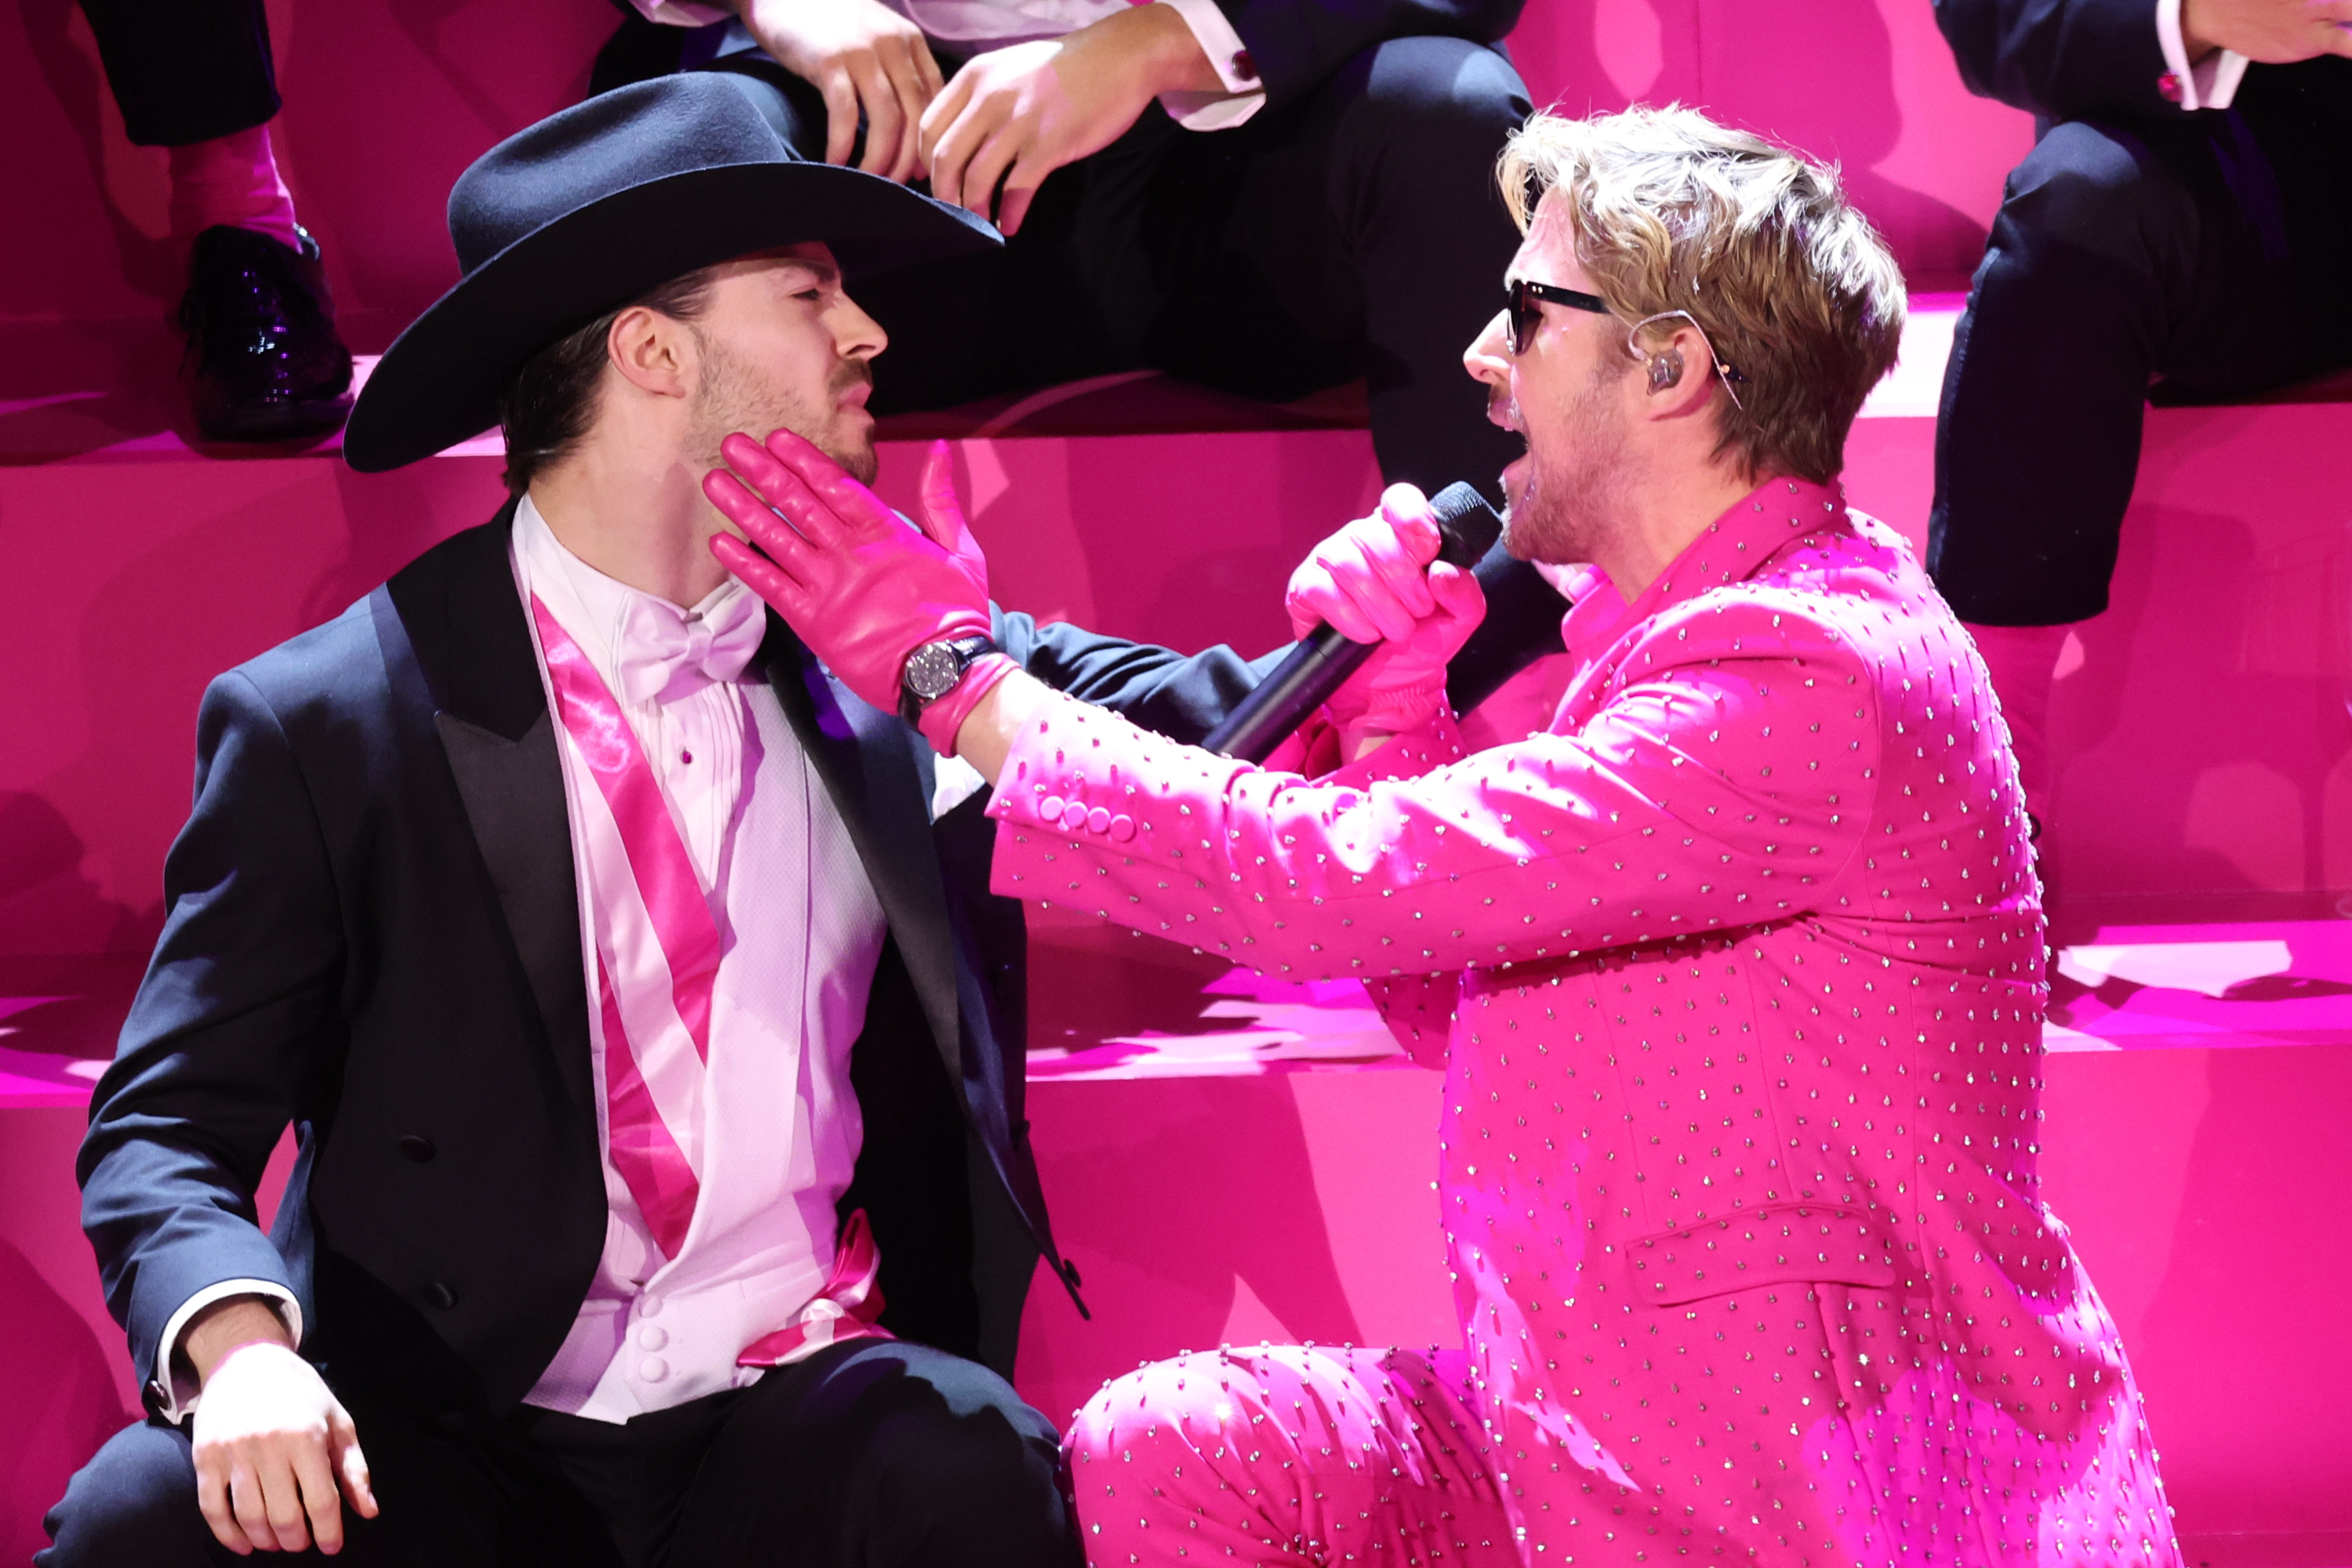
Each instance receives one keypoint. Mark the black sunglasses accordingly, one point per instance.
(1524, 314)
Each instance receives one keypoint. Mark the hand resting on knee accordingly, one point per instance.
(275, 1451)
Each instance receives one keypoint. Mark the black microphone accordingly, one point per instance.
(1321, 664)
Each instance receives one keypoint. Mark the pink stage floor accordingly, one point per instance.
(1233, 1159)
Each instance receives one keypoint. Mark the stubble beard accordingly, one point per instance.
(1567, 508)
(737, 396)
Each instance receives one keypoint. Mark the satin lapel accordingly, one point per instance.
(464, 622)
(876, 771)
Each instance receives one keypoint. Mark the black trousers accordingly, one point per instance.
(2197, 259)
(865, 1456)
(1355, 233)
(185, 70)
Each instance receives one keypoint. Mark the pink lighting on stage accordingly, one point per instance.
(1230, 1158)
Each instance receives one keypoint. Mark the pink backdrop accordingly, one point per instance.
(1209, 1196)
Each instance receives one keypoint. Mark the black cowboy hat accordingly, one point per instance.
(591, 208)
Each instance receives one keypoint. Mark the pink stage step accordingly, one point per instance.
(2202, 720)
(1233, 1159)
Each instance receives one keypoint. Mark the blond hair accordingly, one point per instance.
(1797, 292)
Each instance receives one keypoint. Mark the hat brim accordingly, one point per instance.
(441, 381)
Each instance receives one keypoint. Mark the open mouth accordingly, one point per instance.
(1503, 409)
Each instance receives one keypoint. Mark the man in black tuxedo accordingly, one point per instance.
(2180, 233)
(511, 887)
(1185, 186)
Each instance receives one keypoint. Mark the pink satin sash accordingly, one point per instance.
(657, 857)
(847, 1307)
(646, 1152)
(644, 1149)
(649, 1159)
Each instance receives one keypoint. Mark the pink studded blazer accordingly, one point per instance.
(1737, 971)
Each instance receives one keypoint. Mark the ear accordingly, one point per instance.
(652, 352)
(1675, 374)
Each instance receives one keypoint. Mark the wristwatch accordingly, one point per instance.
(933, 669)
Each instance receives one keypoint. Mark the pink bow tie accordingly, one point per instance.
(667, 653)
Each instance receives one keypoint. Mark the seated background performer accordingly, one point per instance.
(1737, 968)
(196, 76)
(2195, 195)
(1267, 197)
(633, 989)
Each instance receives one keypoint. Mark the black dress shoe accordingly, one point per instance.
(264, 361)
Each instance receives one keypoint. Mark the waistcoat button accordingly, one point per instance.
(440, 1295)
(417, 1148)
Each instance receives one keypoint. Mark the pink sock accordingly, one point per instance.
(2024, 663)
(231, 180)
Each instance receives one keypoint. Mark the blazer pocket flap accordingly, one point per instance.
(1782, 1245)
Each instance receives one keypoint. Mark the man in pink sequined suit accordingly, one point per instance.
(1735, 964)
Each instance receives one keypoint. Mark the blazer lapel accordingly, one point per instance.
(877, 773)
(464, 625)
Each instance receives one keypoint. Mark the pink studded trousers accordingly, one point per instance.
(1288, 1454)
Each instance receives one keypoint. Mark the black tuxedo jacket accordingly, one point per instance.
(2094, 60)
(372, 933)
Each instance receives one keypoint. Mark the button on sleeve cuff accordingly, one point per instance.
(2211, 82)
(1244, 93)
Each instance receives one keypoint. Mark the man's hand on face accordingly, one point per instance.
(1017, 114)
(863, 587)
(275, 1451)
(859, 54)
(2271, 32)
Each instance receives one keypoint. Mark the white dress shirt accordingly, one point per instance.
(982, 24)
(800, 932)
(2211, 82)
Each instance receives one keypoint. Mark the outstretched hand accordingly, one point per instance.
(862, 586)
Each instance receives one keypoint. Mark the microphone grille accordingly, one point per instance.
(1468, 524)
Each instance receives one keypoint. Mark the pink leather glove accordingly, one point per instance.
(861, 587)
(1379, 579)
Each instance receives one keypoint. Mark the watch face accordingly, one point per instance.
(932, 671)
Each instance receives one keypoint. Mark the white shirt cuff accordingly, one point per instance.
(686, 14)
(2211, 83)
(1244, 96)
(176, 1392)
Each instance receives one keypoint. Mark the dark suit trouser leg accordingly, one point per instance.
(184, 71)
(449, 1500)
(2208, 251)
(1357, 232)
(1362, 233)
(879, 1455)
(869, 1455)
